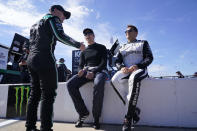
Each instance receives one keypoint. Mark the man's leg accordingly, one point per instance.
(33, 101)
(98, 95)
(120, 82)
(48, 84)
(134, 89)
(73, 86)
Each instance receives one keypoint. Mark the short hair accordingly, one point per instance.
(61, 59)
(132, 26)
(88, 30)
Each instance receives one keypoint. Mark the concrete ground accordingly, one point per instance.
(19, 125)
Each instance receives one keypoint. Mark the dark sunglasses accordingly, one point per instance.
(88, 33)
(128, 31)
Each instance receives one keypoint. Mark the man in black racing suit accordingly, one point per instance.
(42, 66)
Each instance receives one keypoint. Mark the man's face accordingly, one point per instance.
(59, 14)
(131, 34)
(89, 38)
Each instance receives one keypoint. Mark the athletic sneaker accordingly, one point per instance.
(136, 117)
(81, 119)
(127, 125)
(96, 124)
(32, 130)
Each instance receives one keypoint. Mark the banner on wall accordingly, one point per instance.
(75, 61)
(3, 58)
(17, 101)
(16, 50)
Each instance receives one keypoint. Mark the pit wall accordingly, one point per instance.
(163, 102)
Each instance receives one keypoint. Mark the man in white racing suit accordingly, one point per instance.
(132, 61)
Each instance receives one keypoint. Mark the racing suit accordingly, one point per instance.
(134, 53)
(42, 67)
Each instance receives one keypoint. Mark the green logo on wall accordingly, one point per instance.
(17, 100)
(22, 89)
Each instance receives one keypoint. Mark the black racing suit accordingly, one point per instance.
(42, 67)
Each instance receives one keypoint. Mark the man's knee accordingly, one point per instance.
(35, 95)
(72, 85)
(113, 79)
(100, 79)
(117, 78)
(34, 99)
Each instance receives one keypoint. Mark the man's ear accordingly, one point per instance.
(136, 34)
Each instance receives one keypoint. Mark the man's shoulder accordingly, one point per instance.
(100, 45)
(142, 41)
(50, 16)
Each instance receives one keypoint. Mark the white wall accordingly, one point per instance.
(163, 102)
(3, 59)
(3, 99)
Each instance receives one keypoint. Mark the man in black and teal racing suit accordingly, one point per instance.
(42, 65)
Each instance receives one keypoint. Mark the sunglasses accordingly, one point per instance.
(128, 31)
(88, 33)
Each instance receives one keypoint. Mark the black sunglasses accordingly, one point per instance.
(127, 31)
(88, 33)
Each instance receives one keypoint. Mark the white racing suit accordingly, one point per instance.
(128, 85)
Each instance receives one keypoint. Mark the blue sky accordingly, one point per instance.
(168, 25)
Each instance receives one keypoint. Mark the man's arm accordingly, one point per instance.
(81, 61)
(81, 65)
(147, 56)
(58, 31)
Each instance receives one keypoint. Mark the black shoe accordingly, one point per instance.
(127, 125)
(81, 119)
(136, 117)
(96, 124)
(32, 130)
(46, 130)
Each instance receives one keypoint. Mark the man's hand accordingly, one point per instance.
(90, 75)
(82, 47)
(22, 63)
(80, 73)
(26, 50)
(133, 68)
(125, 70)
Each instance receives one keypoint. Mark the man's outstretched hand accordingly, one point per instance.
(80, 73)
(82, 47)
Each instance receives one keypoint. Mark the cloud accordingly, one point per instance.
(103, 34)
(3, 23)
(19, 14)
(78, 11)
(21, 5)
